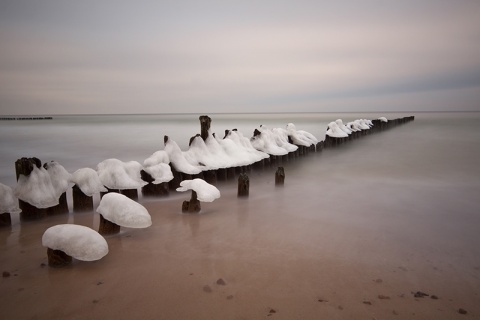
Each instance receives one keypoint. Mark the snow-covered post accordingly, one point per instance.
(23, 167)
(280, 176)
(60, 178)
(201, 191)
(86, 184)
(116, 210)
(124, 176)
(8, 205)
(243, 185)
(160, 189)
(67, 241)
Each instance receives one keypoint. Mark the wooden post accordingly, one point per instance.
(24, 166)
(193, 205)
(151, 189)
(61, 207)
(5, 219)
(107, 227)
(243, 185)
(130, 193)
(81, 202)
(280, 176)
(210, 176)
(58, 258)
(205, 122)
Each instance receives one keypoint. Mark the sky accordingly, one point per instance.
(155, 56)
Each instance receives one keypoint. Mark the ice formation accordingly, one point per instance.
(36, 189)
(115, 174)
(88, 181)
(266, 142)
(59, 177)
(343, 127)
(300, 137)
(334, 131)
(157, 166)
(177, 159)
(383, 119)
(8, 201)
(79, 242)
(125, 212)
(205, 191)
(240, 149)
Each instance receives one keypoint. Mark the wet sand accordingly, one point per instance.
(326, 245)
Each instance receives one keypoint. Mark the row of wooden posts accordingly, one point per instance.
(82, 202)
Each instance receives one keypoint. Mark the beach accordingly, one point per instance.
(353, 234)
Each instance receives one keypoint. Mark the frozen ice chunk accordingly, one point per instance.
(383, 119)
(8, 201)
(205, 191)
(177, 159)
(115, 174)
(161, 172)
(88, 181)
(36, 189)
(79, 242)
(266, 141)
(125, 212)
(59, 177)
(343, 127)
(157, 157)
(300, 137)
(335, 132)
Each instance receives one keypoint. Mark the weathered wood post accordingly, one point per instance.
(81, 202)
(243, 185)
(58, 258)
(205, 122)
(130, 193)
(151, 189)
(5, 219)
(280, 176)
(107, 227)
(25, 166)
(193, 205)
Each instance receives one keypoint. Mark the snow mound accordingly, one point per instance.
(115, 174)
(383, 119)
(59, 177)
(334, 131)
(88, 181)
(205, 191)
(82, 243)
(160, 172)
(8, 201)
(36, 189)
(177, 159)
(125, 212)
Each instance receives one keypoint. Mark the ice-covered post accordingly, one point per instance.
(243, 185)
(160, 189)
(8, 205)
(24, 166)
(86, 184)
(117, 210)
(201, 191)
(60, 178)
(280, 176)
(205, 122)
(67, 241)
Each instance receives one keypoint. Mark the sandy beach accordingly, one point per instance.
(335, 242)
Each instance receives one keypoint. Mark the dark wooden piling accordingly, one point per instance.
(130, 193)
(210, 176)
(24, 166)
(108, 191)
(243, 185)
(153, 190)
(58, 258)
(81, 202)
(205, 122)
(107, 227)
(280, 176)
(191, 206)
(61, 207)
(5, 219)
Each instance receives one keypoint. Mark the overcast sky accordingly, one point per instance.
(113, 56)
